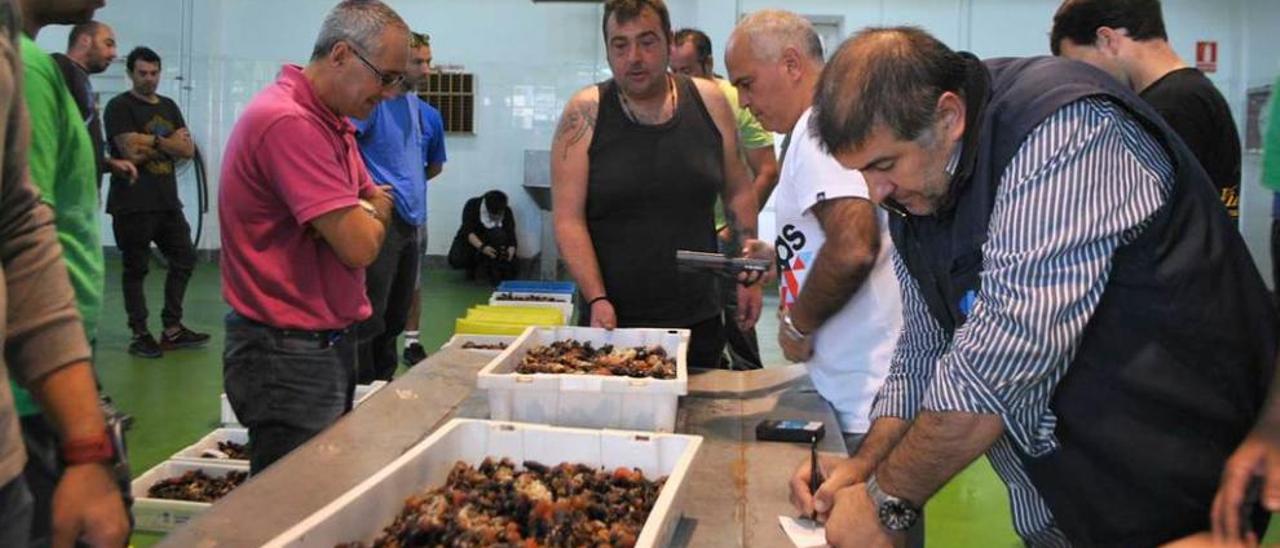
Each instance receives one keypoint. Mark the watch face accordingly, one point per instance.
(897, 516)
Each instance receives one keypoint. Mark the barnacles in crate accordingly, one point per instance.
(579, 358)
(227, 449)
(196, 486)
(497, 504)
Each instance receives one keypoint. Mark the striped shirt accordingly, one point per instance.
(1085, 182)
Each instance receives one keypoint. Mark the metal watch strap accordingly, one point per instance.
(895, 514)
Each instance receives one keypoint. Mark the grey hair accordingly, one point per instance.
(359, 22)
(772, 31)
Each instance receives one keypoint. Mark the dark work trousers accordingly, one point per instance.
(134, 234)
(285, 386)
(501, 269)
(16, 506)
(1275, 258)
(706, 343)
(41, 473)
(744, 349)
(389, 282)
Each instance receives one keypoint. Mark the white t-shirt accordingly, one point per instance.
(852, 349)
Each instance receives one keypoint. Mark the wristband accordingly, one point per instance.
(92, 450)
(789, 328)
(598, 299)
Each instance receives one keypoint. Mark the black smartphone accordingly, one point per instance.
(790, 430)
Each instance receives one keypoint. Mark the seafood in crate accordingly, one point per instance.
(196, 486)
(498, 502)
(629, 378)
(576, 357)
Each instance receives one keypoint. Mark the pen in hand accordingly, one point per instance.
(815, 473)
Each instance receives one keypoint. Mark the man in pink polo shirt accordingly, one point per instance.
(301, 219)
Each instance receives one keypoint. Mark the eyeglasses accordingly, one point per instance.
(387, 80)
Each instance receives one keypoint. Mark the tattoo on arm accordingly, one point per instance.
(578, 119)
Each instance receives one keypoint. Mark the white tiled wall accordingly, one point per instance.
(529, 58)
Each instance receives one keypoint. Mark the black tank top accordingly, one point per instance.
(651, 190)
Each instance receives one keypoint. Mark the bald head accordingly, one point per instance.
(892, 76)
(92, 45)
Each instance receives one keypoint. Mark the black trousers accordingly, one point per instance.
(134, 234)
(494, 271)
(744, 350)
(389, 282)
(1275, 256)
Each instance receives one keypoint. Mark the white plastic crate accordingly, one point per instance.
(562, 302)
(196, 451)
(458, 340)
(361, 513)
(587, 401)
(164, 515)
(363, 391)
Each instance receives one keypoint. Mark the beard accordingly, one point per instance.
(98, 66)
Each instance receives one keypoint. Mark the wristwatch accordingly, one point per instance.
(91, 450)
(895, 514)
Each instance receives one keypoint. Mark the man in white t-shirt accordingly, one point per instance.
(840, 309)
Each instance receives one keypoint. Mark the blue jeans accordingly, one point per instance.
(16, 510)
(285, 386)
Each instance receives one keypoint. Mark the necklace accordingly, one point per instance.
(628, 109)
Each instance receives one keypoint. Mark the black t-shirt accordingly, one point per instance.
(1199, 114)
(81, 89)
(157, 187)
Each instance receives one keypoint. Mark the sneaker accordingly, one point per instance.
(145, 346)
(182, 338)
(414, 353)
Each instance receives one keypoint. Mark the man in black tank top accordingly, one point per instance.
(636, 166)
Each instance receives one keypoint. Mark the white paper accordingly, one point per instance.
(804, 533)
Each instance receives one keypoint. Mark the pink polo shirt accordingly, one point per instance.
(289, 160)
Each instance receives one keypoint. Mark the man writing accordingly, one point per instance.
(1063, 264)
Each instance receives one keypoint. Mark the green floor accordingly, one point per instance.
(174, 399)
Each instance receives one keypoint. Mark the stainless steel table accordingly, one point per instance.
(737, 486)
